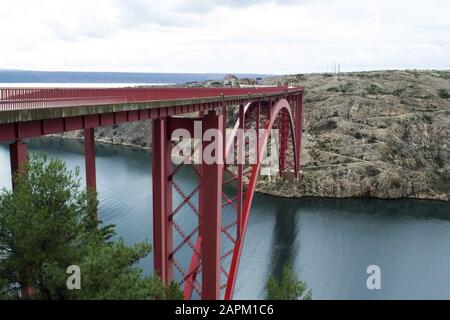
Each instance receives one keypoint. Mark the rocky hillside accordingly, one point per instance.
(135, 134)
(382, 134)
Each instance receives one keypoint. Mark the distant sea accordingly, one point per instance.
(15, 78)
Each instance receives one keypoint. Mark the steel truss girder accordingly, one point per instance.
(216, 242)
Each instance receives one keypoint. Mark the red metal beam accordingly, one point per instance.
(284, 132)
(298, 130)
(240, 170)
(193, 270)
(162, 199)
(274, 112)
(211, 207)
(19, 156)
(258, 117)
(89, 158)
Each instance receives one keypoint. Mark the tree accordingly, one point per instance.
(289, 287)
(48, 224)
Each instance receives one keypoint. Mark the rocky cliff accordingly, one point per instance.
(376, 134)
(383, 134)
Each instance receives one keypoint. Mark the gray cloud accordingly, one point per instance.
(182, 13)
(224, 36)
(138, 12)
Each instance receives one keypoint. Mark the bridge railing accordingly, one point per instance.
(37, 98)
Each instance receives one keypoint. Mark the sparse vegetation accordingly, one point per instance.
(288, 287)
(331, 124)
(372, 171)
(373, 89)
(358, 135)
(443, 94)
(347, 87)
(395, 181)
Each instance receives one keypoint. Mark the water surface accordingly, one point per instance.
(330, 242)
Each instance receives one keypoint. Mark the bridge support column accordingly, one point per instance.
(89, 157)
(211, 207)
(240, 170)
(258, 119)
(18, 152)
(162, 199)
(284, 133)
(298, 130)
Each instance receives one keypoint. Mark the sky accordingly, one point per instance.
(227, 36)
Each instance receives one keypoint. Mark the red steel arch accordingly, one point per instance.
(191, 283)
(274, 111)
(232, 213)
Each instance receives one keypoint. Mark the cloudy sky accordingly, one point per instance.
(260, 36)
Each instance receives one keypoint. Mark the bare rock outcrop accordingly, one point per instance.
(383, 134)
(379, 134)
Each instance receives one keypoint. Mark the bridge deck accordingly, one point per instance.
(26, 113)
(19, 104)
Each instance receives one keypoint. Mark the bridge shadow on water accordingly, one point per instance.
(283, 243)
(331, 242)
(287, 211)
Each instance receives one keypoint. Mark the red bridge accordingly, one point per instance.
(222, 199)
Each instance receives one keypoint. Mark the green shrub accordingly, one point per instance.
(395, 181)
(331, 124)
(348, 87)
(288, 287)
(373, 89)
(443, 94)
